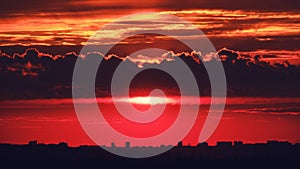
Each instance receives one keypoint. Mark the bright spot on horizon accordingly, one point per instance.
(148, 100)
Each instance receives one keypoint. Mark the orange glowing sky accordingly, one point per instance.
(66, 28)
(242, 26)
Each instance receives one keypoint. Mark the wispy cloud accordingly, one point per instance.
(74, 28)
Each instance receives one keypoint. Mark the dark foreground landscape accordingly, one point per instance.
(272, 153)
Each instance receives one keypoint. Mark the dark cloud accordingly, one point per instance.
(253, 43)
(17, 8)
(33, 6)
(24, 7)
(233, 4)
(35, 74)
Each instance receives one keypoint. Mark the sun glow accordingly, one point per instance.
(148, 100)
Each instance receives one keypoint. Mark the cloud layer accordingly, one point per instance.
(34, 74)
(243, 29)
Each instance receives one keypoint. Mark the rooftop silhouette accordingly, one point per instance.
(231, 154)
(271, 150)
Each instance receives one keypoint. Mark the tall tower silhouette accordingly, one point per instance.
(127, 144)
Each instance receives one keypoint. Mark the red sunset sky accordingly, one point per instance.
(40, 41)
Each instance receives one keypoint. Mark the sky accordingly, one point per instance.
(257, 43)
(251, 120)
(40, 41)
(246, 26)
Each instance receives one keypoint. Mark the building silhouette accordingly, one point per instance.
(179, 144)
(127, 144)
(237, 151)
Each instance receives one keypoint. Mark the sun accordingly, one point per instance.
(151, 100)
(148, 100)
